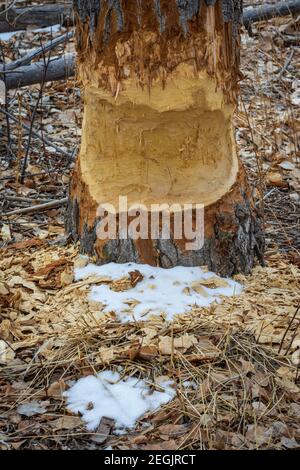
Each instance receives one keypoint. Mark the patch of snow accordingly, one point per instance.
(8, 36)
(169, 291)
(49, 29)
(124, 401)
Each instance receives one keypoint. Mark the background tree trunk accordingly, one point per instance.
(160, 79)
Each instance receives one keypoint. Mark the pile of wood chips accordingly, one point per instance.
(235, 364)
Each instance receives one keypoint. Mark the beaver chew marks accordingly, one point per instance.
(160, 85)
(172, 144)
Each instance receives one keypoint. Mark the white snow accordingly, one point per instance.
(169, 291)
(125, 401)
(7, 36)
(54, 29)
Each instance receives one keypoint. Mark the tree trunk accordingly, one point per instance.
(160, 79)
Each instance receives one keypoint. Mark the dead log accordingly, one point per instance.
(59, 68)
(37, 16)
(266, 12)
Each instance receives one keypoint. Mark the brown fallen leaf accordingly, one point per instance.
(135, 277)
(276, 179)
(183, 343)
(173, 429)
(66, 422)
(147, 353)
(56, 389)
(103, 430)
(213, 282)
(158, 445)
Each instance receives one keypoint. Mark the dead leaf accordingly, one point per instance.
(158, 445)
(135, 277)
(290, 444)
(173, 429)
(214, 282)
(56, 389)
(106, 354)
(147, 353)
(276, 179)
(103, 430)
(5, 230)
(31, 409)
(66, 422)
(183, 343)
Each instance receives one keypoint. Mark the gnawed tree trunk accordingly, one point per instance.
(160, 79)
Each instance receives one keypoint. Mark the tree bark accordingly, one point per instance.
(161, 82)
(38, 16)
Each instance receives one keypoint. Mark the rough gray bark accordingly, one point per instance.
(227, 252)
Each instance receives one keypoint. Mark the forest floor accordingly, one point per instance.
(234, 365)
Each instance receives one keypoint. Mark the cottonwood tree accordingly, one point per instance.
(160, 82)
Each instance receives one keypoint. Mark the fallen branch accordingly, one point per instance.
(23, 199)
(57, 69)
(37, 208)
(49, 46)
(39, 16)
(41, 137)
(266, 12)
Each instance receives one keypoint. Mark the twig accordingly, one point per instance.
(288, 327)
(24, 199)
(38, 136)
(24, 166)
(6, 104)
(9, 7)
(38, 207)
(49, 46)
(286, 64)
